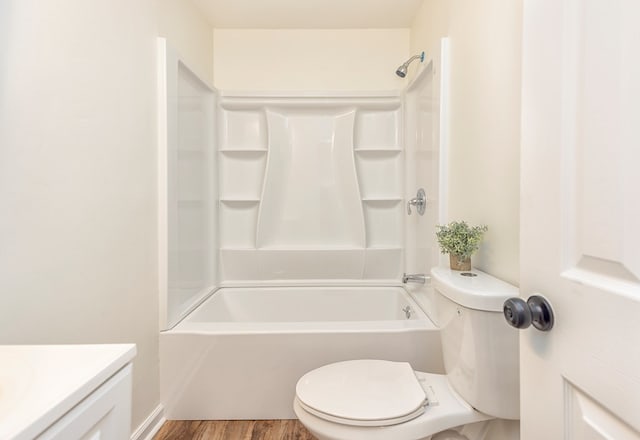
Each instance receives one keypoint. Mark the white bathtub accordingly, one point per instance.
(241, 352)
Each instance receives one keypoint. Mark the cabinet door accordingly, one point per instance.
(105, 414)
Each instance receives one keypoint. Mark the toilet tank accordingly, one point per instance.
(480, 350)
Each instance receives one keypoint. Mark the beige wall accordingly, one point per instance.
(188, 32)
(311, 59)
(484, 118)
(78, 178)
(78, 260)
(78, 153)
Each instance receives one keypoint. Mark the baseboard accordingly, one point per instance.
(150, 426)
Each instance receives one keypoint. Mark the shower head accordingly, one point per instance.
(402, 70)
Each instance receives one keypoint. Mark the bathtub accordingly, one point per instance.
(240, 353)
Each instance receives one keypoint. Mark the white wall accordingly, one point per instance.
(311, 59)
(484, 118)
(78, 178)
(187, 31)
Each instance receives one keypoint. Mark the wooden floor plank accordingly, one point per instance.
(211, 431)
(238, 429)
(299, 432)
(233, 430)
(264, 429)
(180, 429)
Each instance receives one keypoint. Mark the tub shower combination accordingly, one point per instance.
(240, 354)
(283, 238)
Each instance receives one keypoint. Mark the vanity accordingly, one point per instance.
(65, 392)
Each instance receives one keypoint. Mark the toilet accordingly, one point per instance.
(381, 400)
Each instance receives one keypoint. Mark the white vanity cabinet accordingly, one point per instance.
(66, 392)
(105, 414)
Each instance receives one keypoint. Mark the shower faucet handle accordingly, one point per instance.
(419, 201)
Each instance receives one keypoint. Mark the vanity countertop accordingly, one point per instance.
(40, 383)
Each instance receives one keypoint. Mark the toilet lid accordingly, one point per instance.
(363, 393)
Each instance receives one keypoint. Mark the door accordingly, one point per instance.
(580, 218)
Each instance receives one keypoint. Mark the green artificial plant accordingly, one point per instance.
(458, 238)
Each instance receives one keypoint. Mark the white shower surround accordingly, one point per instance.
(310, 187)
(240, 354)
(300, 187)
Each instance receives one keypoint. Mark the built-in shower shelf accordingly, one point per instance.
(393, 150)
(383, 218)
(239, 200)
(382, 199)
(241, 173)
(231, 151)
(379, 173)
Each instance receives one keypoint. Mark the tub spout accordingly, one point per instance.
(414, 278)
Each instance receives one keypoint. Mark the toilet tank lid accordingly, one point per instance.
(479, 291)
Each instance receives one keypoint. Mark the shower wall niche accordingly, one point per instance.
(311, 188)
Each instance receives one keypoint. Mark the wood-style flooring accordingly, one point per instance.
(233, 430)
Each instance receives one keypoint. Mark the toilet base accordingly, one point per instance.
(447, 411)
(474, 431)
(495, 429)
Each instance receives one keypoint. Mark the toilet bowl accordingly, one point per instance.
(379, 399)
(442, 408)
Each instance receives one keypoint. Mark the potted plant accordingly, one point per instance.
(459, 240)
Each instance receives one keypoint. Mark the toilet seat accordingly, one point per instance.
(367, 423)
(363, 393)
(445, 410)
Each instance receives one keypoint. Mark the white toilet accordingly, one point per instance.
(383, 400)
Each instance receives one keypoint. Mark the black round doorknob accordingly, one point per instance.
(536, 310)
(541, 313)
(517, 313)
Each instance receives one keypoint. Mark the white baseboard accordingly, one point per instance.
(150, 426)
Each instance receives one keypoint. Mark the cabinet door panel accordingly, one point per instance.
(105, 414)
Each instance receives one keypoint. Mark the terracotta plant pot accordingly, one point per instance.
(458, 262)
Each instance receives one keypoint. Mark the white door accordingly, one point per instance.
(580, 218)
